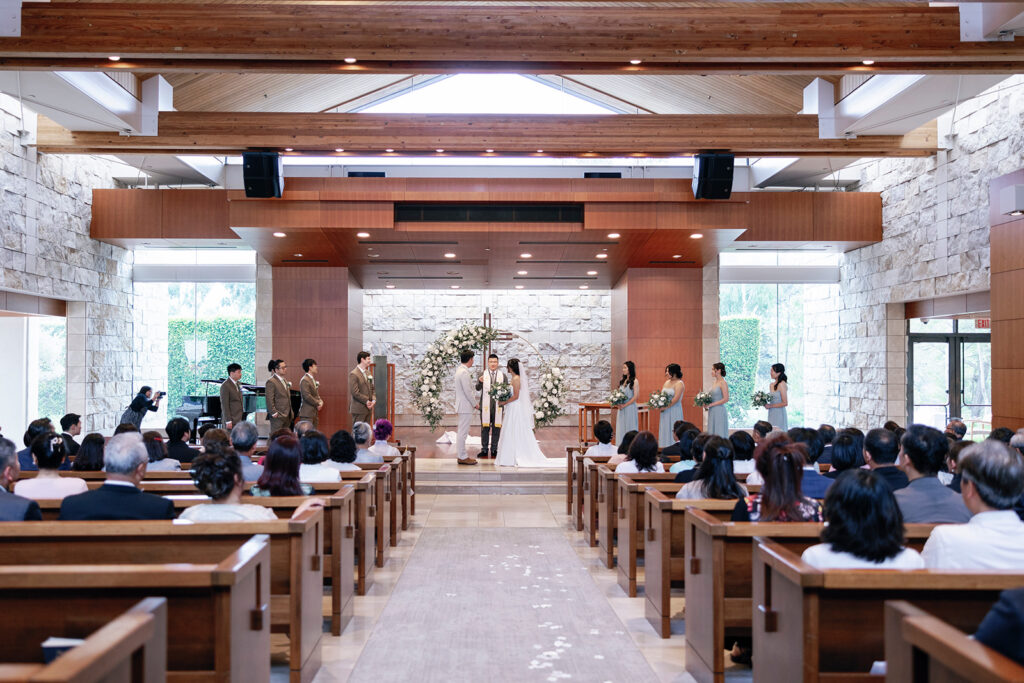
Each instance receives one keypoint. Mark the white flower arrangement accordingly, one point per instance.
(659, 400)
(549, 403)
(703, 399)
(760, 399)
(618, 397)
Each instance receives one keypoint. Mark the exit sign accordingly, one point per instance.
(983, 323)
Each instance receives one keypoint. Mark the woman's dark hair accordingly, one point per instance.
(124, 428)
(627, 439)
(278, 433)
(314, 447)
(90, 454)
(603, 431)
(274, 364)
(891, 425)
(513, 365)
(154, 444)
(629, 379)
(281, 468)
(844, 452)
(217, 440)
(697, 446)
(307, 364)
(763, 427)
(49, 450)
(145, 389)
(742, 445)
(465, 356)
(862, 517)
(686, 443)
(858, 444)
(680, 427)
(217, 474)
(644, 451)
(382, 429)
(781, 464)
(781, 369)
(36, 428)
(720, 366)
(674, 370)
(343, 447)
(715, 471)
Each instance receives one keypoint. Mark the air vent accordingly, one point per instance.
(413, 243)
(602, 174)
(421, 277)
(670, 263)
(303, 260)
(415, 262)
(488, 213)
(567, 243)
(366, 174)
(589, 262)
(553, 277)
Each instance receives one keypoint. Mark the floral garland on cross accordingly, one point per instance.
(443, 355)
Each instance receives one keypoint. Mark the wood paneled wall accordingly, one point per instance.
(656, 320)
(1007, 257)
(318, 313)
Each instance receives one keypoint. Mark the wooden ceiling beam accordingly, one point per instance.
(733, 38)
(569, 136)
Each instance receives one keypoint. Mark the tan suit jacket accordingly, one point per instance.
(231, 403)
(310, 406)
(362, 392)
(279, 400)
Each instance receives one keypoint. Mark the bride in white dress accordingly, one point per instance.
(517, 445)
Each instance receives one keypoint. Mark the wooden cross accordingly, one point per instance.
(503, 336)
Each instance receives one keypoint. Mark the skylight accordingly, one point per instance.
(487, 94)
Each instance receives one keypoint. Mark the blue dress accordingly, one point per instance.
(669, 416)
(627, 420)
(777, 416)
(718, 418)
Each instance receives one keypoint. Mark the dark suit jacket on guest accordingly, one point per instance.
(70, 445)
(231, 403)
(1002, 629)
(826, 455)
(674, 449)
(181, 451)
(814, 484)
(16, 509)
(893, 476)
(112, 501)
(686, 476)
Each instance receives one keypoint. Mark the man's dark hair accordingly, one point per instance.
(810, 442)
(493, 355)
(882, 445)
(465, 356)
(124, 428)
(697, 446)
(36, 427)
(926, 447)
(827, 433)
(891, 425)
(763, 428)
(742, 445)
(996, 471)
(233, 366)
(862, 517)
(274, 364)
(176, 429)
(361, 355)
(845, 452)
(603, 431)
(205, 428)
(858, 443)
(307, 364)
(69, 421)
(1003, 434)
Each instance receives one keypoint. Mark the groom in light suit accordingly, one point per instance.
(465, 405)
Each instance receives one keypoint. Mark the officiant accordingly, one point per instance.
(490, 412)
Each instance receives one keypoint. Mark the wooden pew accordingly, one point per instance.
(296, 569)
(921, 647)
(134, 642)
(627, 515)
(217, 610)
(665, 549)
(717, 566)
(828, 625)
(394, 474)
(582, 484)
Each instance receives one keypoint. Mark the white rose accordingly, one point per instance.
(539, 415)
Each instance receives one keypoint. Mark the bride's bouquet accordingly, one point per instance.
(618, 397)
(659, 400)
(703, 399)
(500, 391)
(760, 399)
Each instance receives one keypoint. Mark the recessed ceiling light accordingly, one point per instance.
(280, 234)
(288, 149)
(455, 286)
(521, 272)
(350, 60)
(613, 235)
(584, 287)
(389, 150)
(525, 255)
(489, 151)
(439, 150)
(591, 272)
(339, 149)
(374, 255)
(362, 234)
(868, 62)
(696, 236)
(634, 62)
(519, 286)
(602, 256)
(114, 58)
(389, 286)
(449, 255)
(297, 255)
(677, 256)
(540, 151)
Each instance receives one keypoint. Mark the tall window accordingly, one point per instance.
(49, 337)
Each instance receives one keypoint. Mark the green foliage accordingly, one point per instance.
(740, 340)
(228, 340)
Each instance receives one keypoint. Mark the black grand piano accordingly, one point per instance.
(206, 409)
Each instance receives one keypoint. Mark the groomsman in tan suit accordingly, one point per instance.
(360, 386)
(231, 397)
(309, 388)
(279, 397)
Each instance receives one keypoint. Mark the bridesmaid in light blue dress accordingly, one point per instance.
(779, 390)
(718, 418)
(627, 419)
(674, 411)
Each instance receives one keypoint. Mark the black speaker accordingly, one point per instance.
(712, 176)
(263, 174)
(602, 174)
(366, 174)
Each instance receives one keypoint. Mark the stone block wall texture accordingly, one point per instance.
(45, 210)
(935, 243)
(149, 358)
(571, 328)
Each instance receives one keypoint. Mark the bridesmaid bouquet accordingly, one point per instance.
(500, 391)
(659, 400)
(760, 399)
(618, 397)
(703, 399)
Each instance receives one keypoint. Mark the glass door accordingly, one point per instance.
(950, 374)
(929, 387)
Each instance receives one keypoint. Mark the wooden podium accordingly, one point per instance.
(590, 414)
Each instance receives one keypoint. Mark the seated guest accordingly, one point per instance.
(382, 431)
(1003, 434)
(642, 457)
(715, 477)
(742, 452)
(844, 455)
(858, 442)
(814, 485)
(951, 477)
(303, 426)
(1017, 441)
(679, 427)
(780, 462)
(158, 460)
(178, 435)
(314, 452)
(863, 527)
(924, 499)
(993, 481)
(13, 508)
(127, 428)
(1002, 629)
(277, 433)
(281, 470)
(685, 450)
(761, 430)
(125, 460)
(891, 425)
(219, 476)
(36, 428)
(603, 432)
(685, 476)
(623, 450)
(342, 452)
(361, 433)
(90, 454)
(71, 426)
(244, 436)
(828, 435)
(956, 429)
(48, 453)
(881, 448)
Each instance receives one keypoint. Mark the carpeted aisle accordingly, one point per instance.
(494, 605)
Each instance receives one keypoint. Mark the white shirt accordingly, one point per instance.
(823, 556)
(384, 449)
(318, 473)
(754, 478)
(694, 490)
(991, 540)
(228, 512)
(601, 449)
(340, 466)
(629, 467)
(744, 467)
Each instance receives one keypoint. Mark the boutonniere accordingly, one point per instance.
(316, 384)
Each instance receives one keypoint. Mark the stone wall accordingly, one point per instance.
(149, 336)
(935, 243)
(572, 328)
(45, 209)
